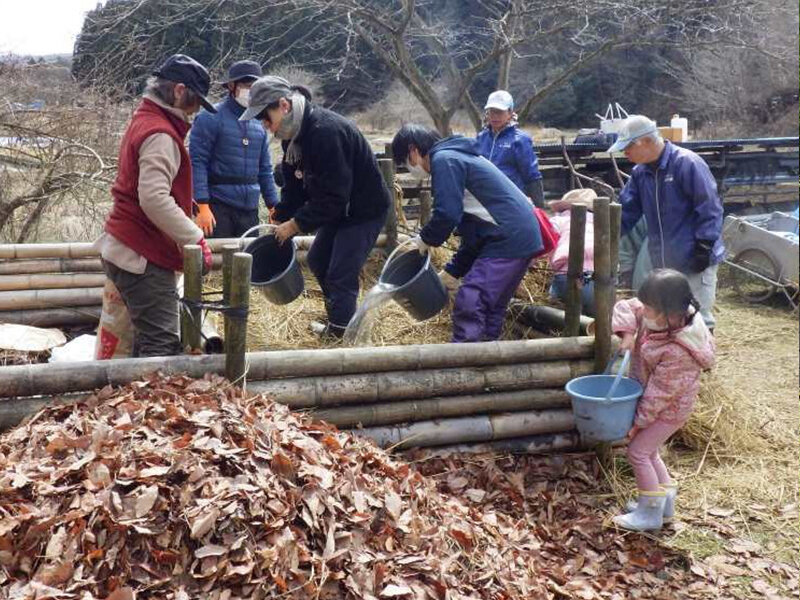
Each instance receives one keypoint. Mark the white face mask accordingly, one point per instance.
(243, 97)
(652, 325)
(416, 171)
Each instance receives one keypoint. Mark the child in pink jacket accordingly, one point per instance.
(670, 346)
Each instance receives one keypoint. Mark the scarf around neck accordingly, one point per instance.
(290, 127)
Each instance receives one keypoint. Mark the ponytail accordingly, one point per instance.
(301, 89)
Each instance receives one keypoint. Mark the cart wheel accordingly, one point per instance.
(750, 287)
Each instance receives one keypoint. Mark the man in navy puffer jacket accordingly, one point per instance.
(231, 166)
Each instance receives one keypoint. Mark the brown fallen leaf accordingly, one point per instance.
(146, 500)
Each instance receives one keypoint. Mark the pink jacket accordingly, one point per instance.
(668, 365)
(560, 256)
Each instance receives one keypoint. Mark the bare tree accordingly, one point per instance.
(51, 156)
(420, 48)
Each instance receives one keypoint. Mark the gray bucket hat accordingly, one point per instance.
(265, 91)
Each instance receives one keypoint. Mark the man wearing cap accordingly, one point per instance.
(151, 219)
(510, 148)
(332, 185)
(677, 194)
(231, 166)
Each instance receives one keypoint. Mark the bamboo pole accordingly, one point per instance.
(53, 317)
(81, 250)
(425, 207)
(545, 318)
(51, 265)
(227, 269)
(57, 378)
(59, 298)
(193, 291)
(442, 407)
(46, 281)
(481, 428)
(236, 325)
(577, 237)
(532, 444)
(602, 283)
(387, 170)
(57, 250)
(371, 388)
(615, 216)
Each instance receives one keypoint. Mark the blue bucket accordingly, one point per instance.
(604, 405)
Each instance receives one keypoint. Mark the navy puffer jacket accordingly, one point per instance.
(224, 167)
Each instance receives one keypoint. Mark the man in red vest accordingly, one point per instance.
(151, 219)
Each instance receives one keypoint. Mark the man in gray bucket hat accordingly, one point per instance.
(332, 185)
(231, 165)
(675, 191)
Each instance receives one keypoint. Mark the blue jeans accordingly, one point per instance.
(335, 258)
(558, 289)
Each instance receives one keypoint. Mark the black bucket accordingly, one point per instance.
(276, 271)
(419, 289)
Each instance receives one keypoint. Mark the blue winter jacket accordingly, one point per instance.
(512, 151)
(493, 217)
(223, 166)
(678, 197)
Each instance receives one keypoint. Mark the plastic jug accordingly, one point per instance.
(681, 123)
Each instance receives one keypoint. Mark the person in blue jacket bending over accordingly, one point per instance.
(510, 148)
(231, 166)
(677, 194)
(498, 235)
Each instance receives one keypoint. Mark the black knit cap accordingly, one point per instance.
(186, 70)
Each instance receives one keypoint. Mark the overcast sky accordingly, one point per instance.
(41, 26)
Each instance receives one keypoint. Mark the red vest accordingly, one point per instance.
(127, 221)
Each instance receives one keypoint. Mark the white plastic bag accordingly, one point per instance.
(77, 350)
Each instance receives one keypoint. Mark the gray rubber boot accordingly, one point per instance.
(669, 505)
(649, 513)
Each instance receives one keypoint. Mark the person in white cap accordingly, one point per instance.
(677, 194)
(510, 148)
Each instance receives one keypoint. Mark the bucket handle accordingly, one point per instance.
(397, 249)
(269, 226)
(626, 359)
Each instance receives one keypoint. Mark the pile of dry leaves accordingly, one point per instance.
(175, 488)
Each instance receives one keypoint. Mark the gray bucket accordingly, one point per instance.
(276, 272)
(419, 289)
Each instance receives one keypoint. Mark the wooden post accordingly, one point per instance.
(387, 170)
(236, 325)
(577, 237)
(425, 207)
(615, 215)
(192, 290)
(602, 283)
(227, 269)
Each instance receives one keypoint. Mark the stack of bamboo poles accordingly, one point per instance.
(507, 393)
(52, 285)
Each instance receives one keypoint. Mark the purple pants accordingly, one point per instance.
(483, 297)
(645, 459)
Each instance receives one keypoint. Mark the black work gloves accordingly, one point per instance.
(701, 259)
(535, 190)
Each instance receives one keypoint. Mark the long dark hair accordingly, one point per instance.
(668, 292)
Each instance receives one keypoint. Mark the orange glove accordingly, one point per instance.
(205, 219)
(271, 210)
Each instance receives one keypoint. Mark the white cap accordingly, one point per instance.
(634, 127)
(500, 99)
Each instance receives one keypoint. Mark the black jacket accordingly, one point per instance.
(337, 181)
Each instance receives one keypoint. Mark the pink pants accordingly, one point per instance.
(643, 455)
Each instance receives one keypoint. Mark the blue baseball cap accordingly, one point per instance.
(633, 128)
